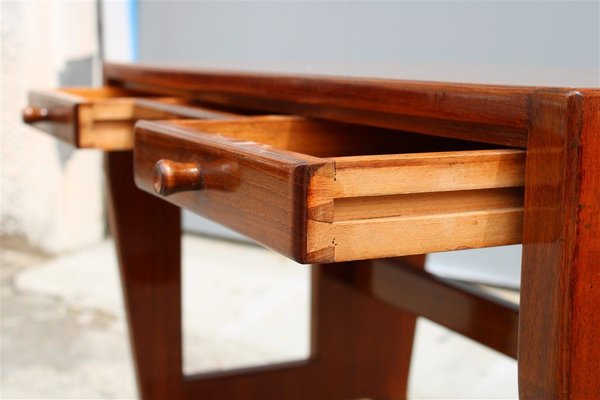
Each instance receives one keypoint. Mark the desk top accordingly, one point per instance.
(486, 113)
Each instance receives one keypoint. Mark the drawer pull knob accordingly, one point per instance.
(35, 114)
(172, 177)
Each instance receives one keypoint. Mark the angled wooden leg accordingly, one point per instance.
(366, 344)
(361, 348)
(559, 319)
(147, 232)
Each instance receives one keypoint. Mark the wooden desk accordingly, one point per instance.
(361, 169)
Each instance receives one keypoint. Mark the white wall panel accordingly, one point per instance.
(50, 194)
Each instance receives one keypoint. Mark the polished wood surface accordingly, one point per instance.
(414, 204)
(395, 236)
(361, 348)
(178, 108)
(147, 236)
(376, 182)
(441, 171)
(334, 184)
(103, 118)
(321, 138)
(36, 114)
(59, 111)
(459, 307)
(254, 189)
(559, 327)
(288, 200)
(486, 113)
(170, 177)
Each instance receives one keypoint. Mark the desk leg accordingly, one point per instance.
(148, 238)
(361, 346)
(559, 318)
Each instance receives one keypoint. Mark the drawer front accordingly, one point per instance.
(254, 189)
(55, 113)
(282, 182)
(103, 118)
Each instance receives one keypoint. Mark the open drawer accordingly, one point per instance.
(321, 192)
(103, 117)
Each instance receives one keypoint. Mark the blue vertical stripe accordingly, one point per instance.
(133, 27)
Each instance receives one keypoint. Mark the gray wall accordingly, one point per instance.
(554, 43)
(536, 43)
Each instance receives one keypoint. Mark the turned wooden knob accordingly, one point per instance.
(172, 177)
(35, 114)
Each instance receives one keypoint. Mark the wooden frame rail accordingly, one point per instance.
(473, 313)
(483, 113)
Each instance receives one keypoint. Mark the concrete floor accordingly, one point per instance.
(64, 335)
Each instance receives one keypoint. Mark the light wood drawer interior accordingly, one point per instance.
(103, 117)
(323, 192)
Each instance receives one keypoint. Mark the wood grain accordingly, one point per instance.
(177, 107)
(262, 193)
(485, 113)
(358, 354)
(380, 336)
(427, 172)
(460, 307)
(361, 348)
(437, 220)
(286, 200)
(350, 188)
(147, 236)
(326, 139)
(103, 118)
(395, 236)
(559, 327)
(429, 203)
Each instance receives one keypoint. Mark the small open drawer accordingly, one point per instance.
(103, 117)
(322, 192)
